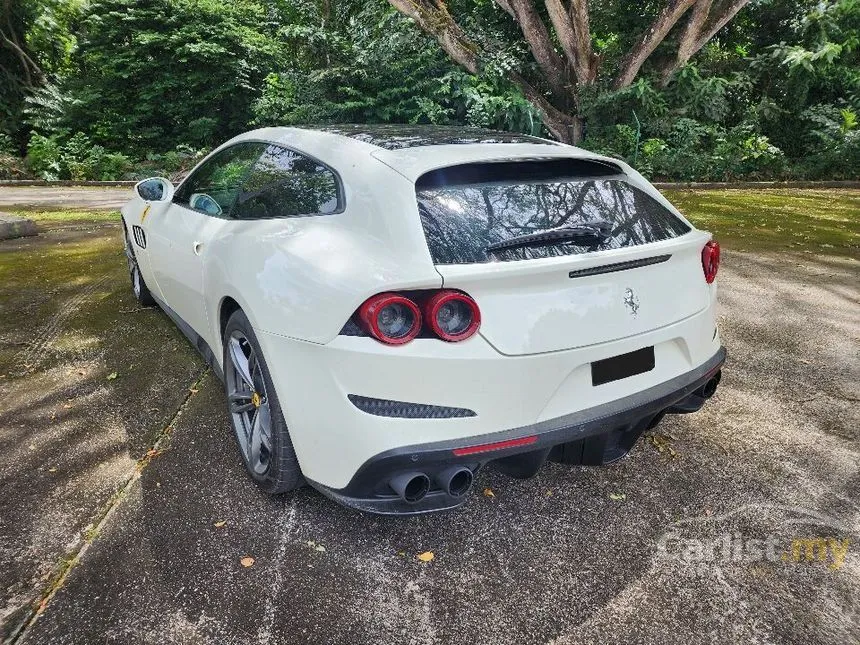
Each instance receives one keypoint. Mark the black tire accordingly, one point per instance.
(138, 284)
(281, 472)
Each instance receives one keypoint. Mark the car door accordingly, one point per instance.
(180, 235)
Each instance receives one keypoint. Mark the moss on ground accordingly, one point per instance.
(76, 279)
(53, 218)
(801, 220)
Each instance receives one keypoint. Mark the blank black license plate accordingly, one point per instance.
(622, 366)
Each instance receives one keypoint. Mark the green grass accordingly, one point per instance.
(68, 216)
(802, 220)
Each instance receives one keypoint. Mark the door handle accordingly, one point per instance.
(197, 247)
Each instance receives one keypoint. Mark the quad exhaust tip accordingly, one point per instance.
(411, 487)
(455, 481)
(709, 388)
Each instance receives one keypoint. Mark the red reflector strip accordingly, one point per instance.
(499, 445)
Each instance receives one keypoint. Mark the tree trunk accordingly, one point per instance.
(577, 129)
(554, 87)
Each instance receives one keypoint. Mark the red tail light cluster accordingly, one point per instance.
(390, 318)
(711, 260)
(396, 319)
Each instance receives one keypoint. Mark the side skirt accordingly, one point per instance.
(194, 338)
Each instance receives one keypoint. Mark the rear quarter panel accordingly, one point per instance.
(303, 277)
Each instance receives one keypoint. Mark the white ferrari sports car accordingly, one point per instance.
(391, 308)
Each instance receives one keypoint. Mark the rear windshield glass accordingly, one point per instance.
(497, 211)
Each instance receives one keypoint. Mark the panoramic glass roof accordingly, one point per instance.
(397, 136)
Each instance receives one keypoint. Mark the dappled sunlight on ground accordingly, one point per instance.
(570, 556)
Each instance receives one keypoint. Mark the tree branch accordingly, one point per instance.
(719, 20)
(557, 122)
(433, 17)
(580, 20)
(570, 27)
(537, 36)
(28, 64)
(648, 41)
(700, 28)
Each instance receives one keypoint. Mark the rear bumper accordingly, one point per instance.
(368, 489)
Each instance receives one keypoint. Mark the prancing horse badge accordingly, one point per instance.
(632, 302)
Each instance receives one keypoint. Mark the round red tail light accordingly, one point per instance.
(711, 260)
(452, 315)
(390, 318)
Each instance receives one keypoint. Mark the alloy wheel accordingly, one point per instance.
(133, 269)
(249, 403)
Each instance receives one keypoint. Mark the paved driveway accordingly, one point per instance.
(71, 197)
(126, 513)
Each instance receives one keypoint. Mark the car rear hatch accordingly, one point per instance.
(560, 253)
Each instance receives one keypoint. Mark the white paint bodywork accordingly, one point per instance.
(300, 279)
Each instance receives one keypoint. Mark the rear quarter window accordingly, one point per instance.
(466, 209)
(286, 183)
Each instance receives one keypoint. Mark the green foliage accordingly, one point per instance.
(178, 71)
(76, 159)
(373, 66)
(134, 88)
(43, 156)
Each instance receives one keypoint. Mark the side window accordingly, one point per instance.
(285, 183)
(214, 186)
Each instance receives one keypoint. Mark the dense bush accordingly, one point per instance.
(132, 88)
(78, 159)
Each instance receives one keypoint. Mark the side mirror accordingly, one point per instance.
(155, 189)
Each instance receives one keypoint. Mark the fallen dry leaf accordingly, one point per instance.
(488, 492)
(220, 524)
(427, 556)
(247, 561)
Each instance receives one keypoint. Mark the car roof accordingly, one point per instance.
(396, 136)
(411, 150)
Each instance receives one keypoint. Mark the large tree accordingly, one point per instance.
(560, 40)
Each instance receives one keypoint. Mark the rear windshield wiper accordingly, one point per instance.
(589, 234)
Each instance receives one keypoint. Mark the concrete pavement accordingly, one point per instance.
(574, 555)
(66, 197)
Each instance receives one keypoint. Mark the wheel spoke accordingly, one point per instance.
(239, 408)
(256, 440)
(240, 362)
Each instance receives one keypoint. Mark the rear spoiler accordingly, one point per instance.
(519, 169)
